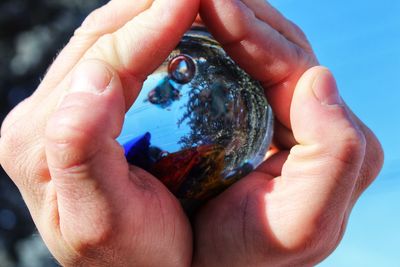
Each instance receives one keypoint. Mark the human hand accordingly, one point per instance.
(59, 146)
(91, 209)
(293, 210)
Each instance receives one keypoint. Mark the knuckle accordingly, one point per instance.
(13, 116)
(350, 147)
(62, 130)
(300, 37)
(150, 24)
(11, 146)
(373, 162)
(94, 241)
(317, 244)
(107, 49)
(93, 26)
(95, 21)
(94, 246)
(299, 53)
(94, 235)
(70, 140)
(297, 29)
(72, 122)
(116, 49)
(365, 179)
(312, 252)
(22, 157)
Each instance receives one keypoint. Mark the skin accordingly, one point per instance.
(93, 209)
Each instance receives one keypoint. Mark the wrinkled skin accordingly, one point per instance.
(93, 209)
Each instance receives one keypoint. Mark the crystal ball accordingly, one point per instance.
(200, 123)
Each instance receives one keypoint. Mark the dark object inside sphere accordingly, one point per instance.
(200, 123)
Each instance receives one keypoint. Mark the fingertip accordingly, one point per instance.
(325, 88)
(91, 76)
(308, 77)
(319, 81)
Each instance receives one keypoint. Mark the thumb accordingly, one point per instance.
(86, 164)
(320, 118)
(319, 175)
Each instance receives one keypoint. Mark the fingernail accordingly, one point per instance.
(91, 76)
(325, 89)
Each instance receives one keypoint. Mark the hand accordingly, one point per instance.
(291, 211)
(93, 209)
(59, 146)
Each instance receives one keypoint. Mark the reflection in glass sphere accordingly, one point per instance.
(200, 123)
(181, 69)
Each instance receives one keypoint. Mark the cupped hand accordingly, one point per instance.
(293, 210)
(59, 146)
(92, 209)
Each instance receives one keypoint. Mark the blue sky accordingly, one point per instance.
(360, 42)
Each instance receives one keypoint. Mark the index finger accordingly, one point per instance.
(264, 43)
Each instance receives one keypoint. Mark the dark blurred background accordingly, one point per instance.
(31, 34)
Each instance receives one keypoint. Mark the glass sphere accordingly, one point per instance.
(200, 123)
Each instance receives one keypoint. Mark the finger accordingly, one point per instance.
(264, 44)
(319, 176)
(82, 154)
(301, 213)
(373, 161)
(122, 47)
(102, 203)
(246, 37)
(264, 11)
(104, 20)
(148, 39)
(134, 51)
(141, 45)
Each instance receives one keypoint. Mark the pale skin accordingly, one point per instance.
(93, 209)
